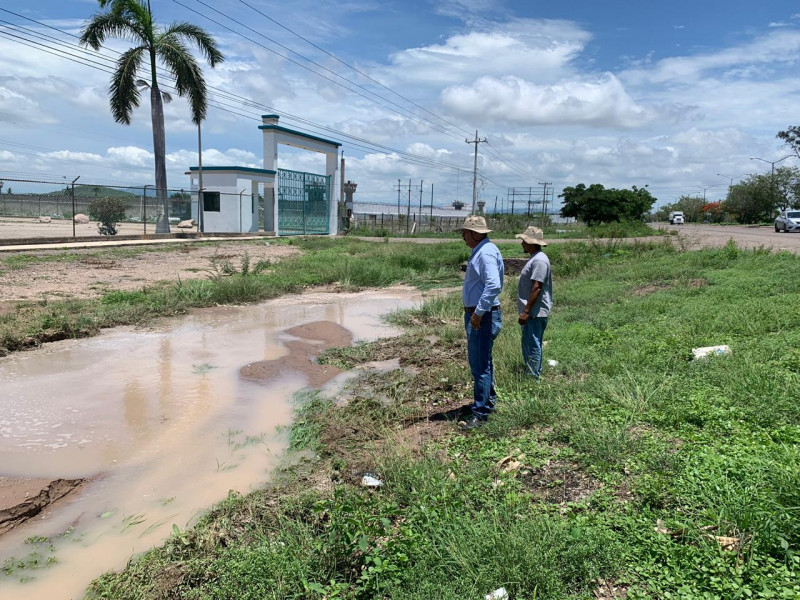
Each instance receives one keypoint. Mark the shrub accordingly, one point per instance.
(108, 212)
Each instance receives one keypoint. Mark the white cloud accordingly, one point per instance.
(538, 49)
(131, 155)
(778, 47)
(600, 101)
(17, 108)
(779, 24)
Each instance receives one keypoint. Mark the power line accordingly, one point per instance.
(421, 120)
(220, 105)
(217, 100)
(352, 67)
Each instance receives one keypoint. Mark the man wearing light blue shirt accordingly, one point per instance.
(483, 318)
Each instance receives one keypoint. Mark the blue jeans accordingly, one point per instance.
(479, 351)
(532, 333)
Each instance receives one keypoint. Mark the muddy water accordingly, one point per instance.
(161, 423)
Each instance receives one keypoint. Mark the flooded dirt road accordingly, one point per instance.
(160, 424)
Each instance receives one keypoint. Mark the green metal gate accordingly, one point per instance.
(303, 203)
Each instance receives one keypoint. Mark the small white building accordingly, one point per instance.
(293, 202)
(230, 198)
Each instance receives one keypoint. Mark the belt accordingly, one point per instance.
(471, 309)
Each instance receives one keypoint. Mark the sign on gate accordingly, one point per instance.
(303, 203)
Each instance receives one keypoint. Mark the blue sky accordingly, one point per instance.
(668, 94)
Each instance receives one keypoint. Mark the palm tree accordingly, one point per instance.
(133, 20)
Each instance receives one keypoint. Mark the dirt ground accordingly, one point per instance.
(17, 228)
(96, 272)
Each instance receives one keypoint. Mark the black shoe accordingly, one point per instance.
(472, 423)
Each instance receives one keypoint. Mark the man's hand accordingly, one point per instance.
(475, 321)
(523, 317)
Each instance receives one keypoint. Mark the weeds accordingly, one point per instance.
(628, 463)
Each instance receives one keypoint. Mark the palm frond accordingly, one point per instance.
(188, 75)
(124, 91)
(197, 36)
(166, 97)
(104, 25)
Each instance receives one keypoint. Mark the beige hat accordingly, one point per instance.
(532, 235)
(476, 224)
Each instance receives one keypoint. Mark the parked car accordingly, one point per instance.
(676, 218)
(788, 220)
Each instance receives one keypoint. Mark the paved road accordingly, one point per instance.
(714, 236)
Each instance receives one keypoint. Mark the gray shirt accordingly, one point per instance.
(536, 269)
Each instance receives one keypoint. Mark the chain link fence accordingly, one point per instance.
(31, 209)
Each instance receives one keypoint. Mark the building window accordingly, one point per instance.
(210, 201)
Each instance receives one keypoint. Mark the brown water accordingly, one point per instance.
(160, 421)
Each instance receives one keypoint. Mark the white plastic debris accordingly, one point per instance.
(498, 594)
(552, 363)
(370, 481)
(710, 351)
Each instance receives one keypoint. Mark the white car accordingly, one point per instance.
(788, 220)
(676, 218)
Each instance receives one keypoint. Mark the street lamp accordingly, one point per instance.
(772, 171)
(708, 187)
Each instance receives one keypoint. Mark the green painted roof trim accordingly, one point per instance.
(270, 116)
(245, 169)
(305, 135)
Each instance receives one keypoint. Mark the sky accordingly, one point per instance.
(674, 95)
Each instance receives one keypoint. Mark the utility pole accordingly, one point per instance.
(544, 185)
(73, 204)
(408, 210)
(476, 141)
(420, 199)
(398, 199)
(431, 202)
(201, 226)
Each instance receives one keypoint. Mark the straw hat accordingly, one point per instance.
(476, 224)
(532, 235)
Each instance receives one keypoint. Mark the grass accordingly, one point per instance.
(509, 227)
(628, 467)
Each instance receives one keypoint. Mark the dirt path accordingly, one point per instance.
(89, 273)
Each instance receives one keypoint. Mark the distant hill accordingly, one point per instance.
(90, 191)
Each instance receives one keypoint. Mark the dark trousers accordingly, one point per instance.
(479, 352)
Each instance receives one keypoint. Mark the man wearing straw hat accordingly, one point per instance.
(483, 318)
(534, 299)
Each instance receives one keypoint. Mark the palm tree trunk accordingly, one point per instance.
(160, 151)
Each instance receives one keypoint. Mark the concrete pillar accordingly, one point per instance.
(330, 170)
(254, 206)
(270, 208)
(270, 142)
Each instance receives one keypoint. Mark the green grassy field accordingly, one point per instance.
(628, 471)
(506, 227)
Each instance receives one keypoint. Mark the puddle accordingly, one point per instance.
(161, 422)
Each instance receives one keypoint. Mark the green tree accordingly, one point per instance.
(791, 137)
(597, 204)
(691, 206)
(758, 197)
(107, 211)
(133, 20)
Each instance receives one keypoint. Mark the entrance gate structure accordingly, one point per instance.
(295, 203)
(304, 206)
(303, 203)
